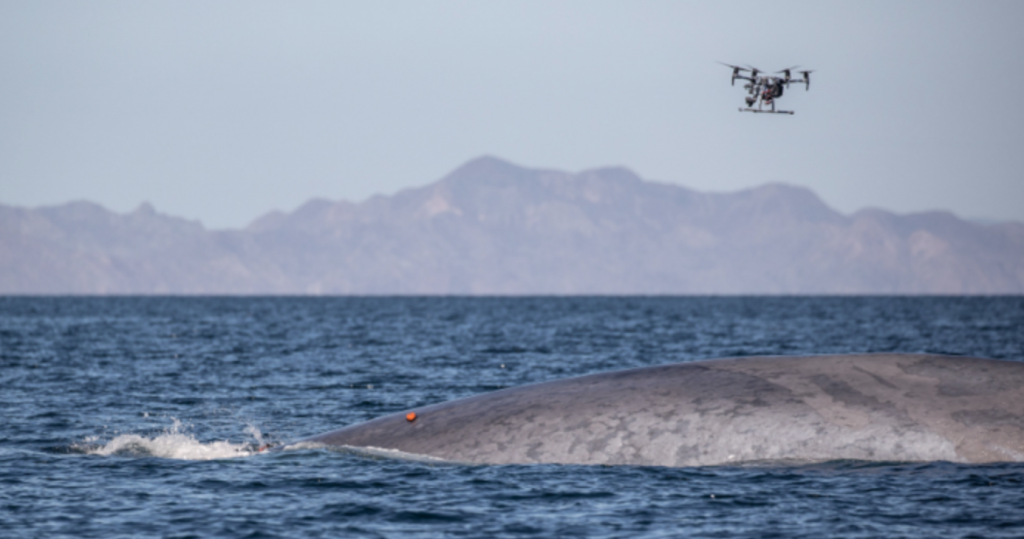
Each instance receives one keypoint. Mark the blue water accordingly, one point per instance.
(144, 417)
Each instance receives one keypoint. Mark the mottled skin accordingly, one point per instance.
(887, 407)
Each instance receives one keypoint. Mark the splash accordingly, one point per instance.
(174, 443)
(254, 431)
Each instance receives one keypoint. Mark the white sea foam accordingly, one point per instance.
(174, 444)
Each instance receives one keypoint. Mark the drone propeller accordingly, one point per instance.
(786, 72)
(807, 78)
(754, 71)
(734, 68)
(735, 71)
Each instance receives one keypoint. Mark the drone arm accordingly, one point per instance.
(805, 82)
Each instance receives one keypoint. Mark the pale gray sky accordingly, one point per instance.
(222, 111)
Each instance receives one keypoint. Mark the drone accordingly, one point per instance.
(765, 90)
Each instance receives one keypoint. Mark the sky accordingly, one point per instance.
(222, 111)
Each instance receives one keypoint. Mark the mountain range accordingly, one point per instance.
(491, 227)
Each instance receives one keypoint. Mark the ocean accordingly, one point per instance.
(145, 416)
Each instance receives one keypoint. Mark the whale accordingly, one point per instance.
(769, 409)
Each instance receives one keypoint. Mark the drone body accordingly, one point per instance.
(764, 90)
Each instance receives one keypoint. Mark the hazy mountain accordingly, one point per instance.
(491, 227)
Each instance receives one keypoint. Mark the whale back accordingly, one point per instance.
(883, 407)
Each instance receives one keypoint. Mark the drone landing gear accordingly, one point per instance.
(767, 111)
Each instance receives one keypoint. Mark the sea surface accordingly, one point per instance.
(144, 417)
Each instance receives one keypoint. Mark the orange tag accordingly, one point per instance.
(411, 416)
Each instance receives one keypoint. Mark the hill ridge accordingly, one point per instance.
(492, 227)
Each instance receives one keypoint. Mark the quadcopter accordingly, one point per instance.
(765, 90)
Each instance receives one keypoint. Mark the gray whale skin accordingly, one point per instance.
(879, 407)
